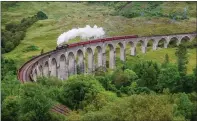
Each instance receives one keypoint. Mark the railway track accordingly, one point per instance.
(61, 109)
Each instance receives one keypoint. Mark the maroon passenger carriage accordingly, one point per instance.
(64, 46)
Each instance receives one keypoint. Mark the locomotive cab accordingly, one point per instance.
(64, 46)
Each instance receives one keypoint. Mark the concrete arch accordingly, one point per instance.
(162, 43)
(185, 39)
(40, 70)
(46, 69)
(152, 42)
(35, 74)
(111, 56)
(122, 51)
(99, 58)
(174, 41)
(54, 67)
(63, 72)
(142, 44)
(80, 61)
(71, 63)
(132, 48)
(90, 60)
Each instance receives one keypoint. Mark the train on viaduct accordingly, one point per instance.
(67, 60)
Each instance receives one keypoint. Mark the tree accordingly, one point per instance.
(195, 76)
(79, 90)
(34, 104)
(134, 108)
(42, 51)
(6, 66)
(123, 78)
(10, 108)
(41, 15)
(184, 106)
(189, 83)
(10, 26)
(168, 77)
(148, 72)
(166, 61)
(182, 59)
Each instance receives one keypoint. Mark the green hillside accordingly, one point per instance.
(156, 86)
(63, 16)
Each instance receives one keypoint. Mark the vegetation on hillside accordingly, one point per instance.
(149, 90)
(159, 85)
(14, 33)
(132, 9)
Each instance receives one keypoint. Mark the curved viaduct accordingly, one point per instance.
(64, 62)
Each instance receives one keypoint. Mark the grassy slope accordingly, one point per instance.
(63, 16)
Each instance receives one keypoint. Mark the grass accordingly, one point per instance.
(159, 56)
(64, 16)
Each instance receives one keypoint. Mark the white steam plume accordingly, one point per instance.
(84, 33)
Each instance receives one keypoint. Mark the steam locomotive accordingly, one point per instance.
(64, 46)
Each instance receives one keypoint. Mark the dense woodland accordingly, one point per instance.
(142, 91)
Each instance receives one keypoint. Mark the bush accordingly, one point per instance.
(168, 77)
(106, 82)
(31, 48)
(135, 107)
(34, 104)
(184, 106)
(10, 108)
(123, 78)
(41, 15)
(52, 86)
(79, 90)
(189, 83)
(148, 73)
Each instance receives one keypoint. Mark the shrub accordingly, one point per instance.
(34, 104)
(31, 48)
(148, 72)
(135, 107)
(168, 77)
(184, 106)
(79, 90)
(10, 107)
(123, 78)
(41, 15)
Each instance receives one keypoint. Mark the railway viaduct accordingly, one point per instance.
(62, 63)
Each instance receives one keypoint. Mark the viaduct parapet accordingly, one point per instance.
(65, 62)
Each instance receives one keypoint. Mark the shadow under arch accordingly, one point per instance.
(150, 44)
(131, 49)
(35, 74)
(54, 67)
(120, 52)
(162, 42)
(110, 53)
(40, 70)
(46, 69)
(139, 46)
(173, 42)
(185, 39)
(80, 62)
(71, 63)
(98, 57)
(63, 72)
(90, 60)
